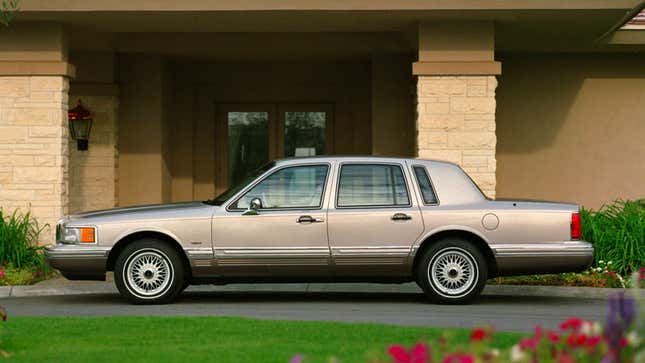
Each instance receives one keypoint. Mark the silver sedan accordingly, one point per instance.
(344, 219)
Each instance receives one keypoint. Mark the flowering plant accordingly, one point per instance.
(575, 341)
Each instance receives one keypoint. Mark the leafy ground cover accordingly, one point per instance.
(617, 231)
(211, 339)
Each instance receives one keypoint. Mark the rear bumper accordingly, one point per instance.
(77, 262)
(543, 258)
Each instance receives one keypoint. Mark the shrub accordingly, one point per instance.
(18, 237)
(617, 232)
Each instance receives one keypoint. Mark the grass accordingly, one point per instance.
(212, 339)
(617, 232)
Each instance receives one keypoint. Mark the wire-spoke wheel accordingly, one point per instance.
(452, 271)
(149, 272)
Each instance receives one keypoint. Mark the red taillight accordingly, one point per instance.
(576, 226)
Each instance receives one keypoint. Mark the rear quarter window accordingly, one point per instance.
(423, 180)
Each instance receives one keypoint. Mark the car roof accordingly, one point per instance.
(366, 158)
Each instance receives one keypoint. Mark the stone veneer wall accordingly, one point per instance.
(93, 172)
(456, 122)
(34, 148)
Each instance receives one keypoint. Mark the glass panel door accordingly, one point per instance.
(305, 130)
(248, 143)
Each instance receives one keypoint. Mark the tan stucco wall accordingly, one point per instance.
(393, 119)
(571, 127)
(93, 172)
(142, 170)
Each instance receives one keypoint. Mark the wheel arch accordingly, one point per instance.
(122, 243)
(469, 236)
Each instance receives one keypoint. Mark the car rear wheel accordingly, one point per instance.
(149, 271)
(452, 271)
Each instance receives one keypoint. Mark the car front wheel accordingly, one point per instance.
(149, 271)
(452, 271)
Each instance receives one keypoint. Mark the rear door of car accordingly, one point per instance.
(373, 218)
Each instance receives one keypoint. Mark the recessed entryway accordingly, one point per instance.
(249, 135)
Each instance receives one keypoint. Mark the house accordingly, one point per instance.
(538, 99)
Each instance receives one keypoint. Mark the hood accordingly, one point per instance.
(153, 211)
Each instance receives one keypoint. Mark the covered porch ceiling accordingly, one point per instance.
(323, 28)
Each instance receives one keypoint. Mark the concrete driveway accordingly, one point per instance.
(506, 308)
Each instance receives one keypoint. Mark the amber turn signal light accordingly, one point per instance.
(87, 235)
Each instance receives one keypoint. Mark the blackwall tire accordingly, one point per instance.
(149, 271)
(452, 271)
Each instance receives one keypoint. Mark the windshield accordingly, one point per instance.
(220, 199)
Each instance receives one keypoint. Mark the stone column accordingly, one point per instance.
(34, 153)
(456, 97)
(456, 123)
(34, 148)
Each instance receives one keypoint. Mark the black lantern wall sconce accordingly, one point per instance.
(80, 125)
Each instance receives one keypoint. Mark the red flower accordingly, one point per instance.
(478, 335)
(623, 342)
(458, 358)
(3, 314)
(418, 354)
(571, 340)
(612, 274)
(572, 323)
(2, 274)
(593, 341)
(582, 338)
(553, 337)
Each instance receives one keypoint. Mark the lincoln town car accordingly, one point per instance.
(326, 219)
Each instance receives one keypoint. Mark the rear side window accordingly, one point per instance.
(429, 197)
(372, 185)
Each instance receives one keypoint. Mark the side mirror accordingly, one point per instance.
(254, 205)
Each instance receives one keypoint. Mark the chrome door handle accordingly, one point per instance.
(309, 219)
(401, 217)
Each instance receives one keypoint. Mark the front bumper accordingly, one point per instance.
(543, 258)
(78, 262)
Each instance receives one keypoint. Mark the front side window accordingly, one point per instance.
(291, 187)
(363, 185)
(427, 192)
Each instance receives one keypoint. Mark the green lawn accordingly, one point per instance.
(212, 339)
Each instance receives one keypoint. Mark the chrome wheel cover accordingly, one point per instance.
(148, 273)
(453, 272)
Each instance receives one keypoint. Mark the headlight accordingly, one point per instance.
(75, 235)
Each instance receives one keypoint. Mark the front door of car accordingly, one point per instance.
(373, 220)
(277, 227)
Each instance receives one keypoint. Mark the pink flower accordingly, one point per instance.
(529, 343)
(572, 323)
(458, 358)
(298, 358)
(478, 335)
(2, 274)
(420, 353)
